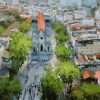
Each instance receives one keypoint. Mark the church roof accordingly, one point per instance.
(41, 22)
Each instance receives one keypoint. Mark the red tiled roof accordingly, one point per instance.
(41, 22)
(78, 27)
(97, 75)
(28, 20)
(81, 59)
(88, 74)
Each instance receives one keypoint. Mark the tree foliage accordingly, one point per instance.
(51, 87)
(77, 94)
(1, 30)
(62, 37)
(6, 23)
(87, 91)
(53, 82)
(62, 52)
(61, 30)
(9, 88)
(24, 27)
(91, 90)
(67, 71)
(20, 46)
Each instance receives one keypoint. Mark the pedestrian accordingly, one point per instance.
(35, 86)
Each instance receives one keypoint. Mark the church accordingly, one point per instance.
(41, 37)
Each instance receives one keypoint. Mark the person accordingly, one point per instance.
(29, 90)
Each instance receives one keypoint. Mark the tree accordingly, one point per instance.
(54, 81)
(67, 71)
(77, 94)
(91, 91)
(51, 87)
(8, 88)
(6, 23)
(62, 52)
(56, 26)
(87, 91)
(1, 30)
(24, 27)
(15, 86)
(20, 46)
(62, 37)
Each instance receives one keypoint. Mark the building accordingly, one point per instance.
(42, 42)
(97, 19)
(98, 2)
(67, 3)
(89, 3)
(50, 2)
(80, 14)
(12, 1)
(85, 44)
(89, 6)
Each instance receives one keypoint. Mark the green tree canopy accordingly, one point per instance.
(67, 71)
(91, 90)
(87, 91)
(61, 30)
(62, 37)
(62, 52)
(20, 46)
(1, 30)
(51, 87)
(24, 27)
(56, 26)
(15, 86)
(6, 23)
(9, 88)
(77, 94)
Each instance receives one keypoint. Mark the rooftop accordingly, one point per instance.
(87, 74)
(8, 31)
(90, 49)
(41, 22)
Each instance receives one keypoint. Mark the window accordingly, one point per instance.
(41, 38)
(41, 47)
(48, 48)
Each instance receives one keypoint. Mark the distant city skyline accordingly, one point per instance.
(61, 2)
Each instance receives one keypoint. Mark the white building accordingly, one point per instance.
(88, 22)
(50, 2)
(2, 2)
(71, 2)
(1, 52)
(89, 3)
(12, 1)
(97, 18)
(80, 14)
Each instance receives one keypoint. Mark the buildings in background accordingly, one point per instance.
(89, 6)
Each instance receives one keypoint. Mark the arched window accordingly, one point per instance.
(48, 48)
(41, 47)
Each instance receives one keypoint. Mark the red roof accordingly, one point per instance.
(88, 74)
(97, 75)
(41, 22)
(81, 60)
(28, 20)
(79, 27)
